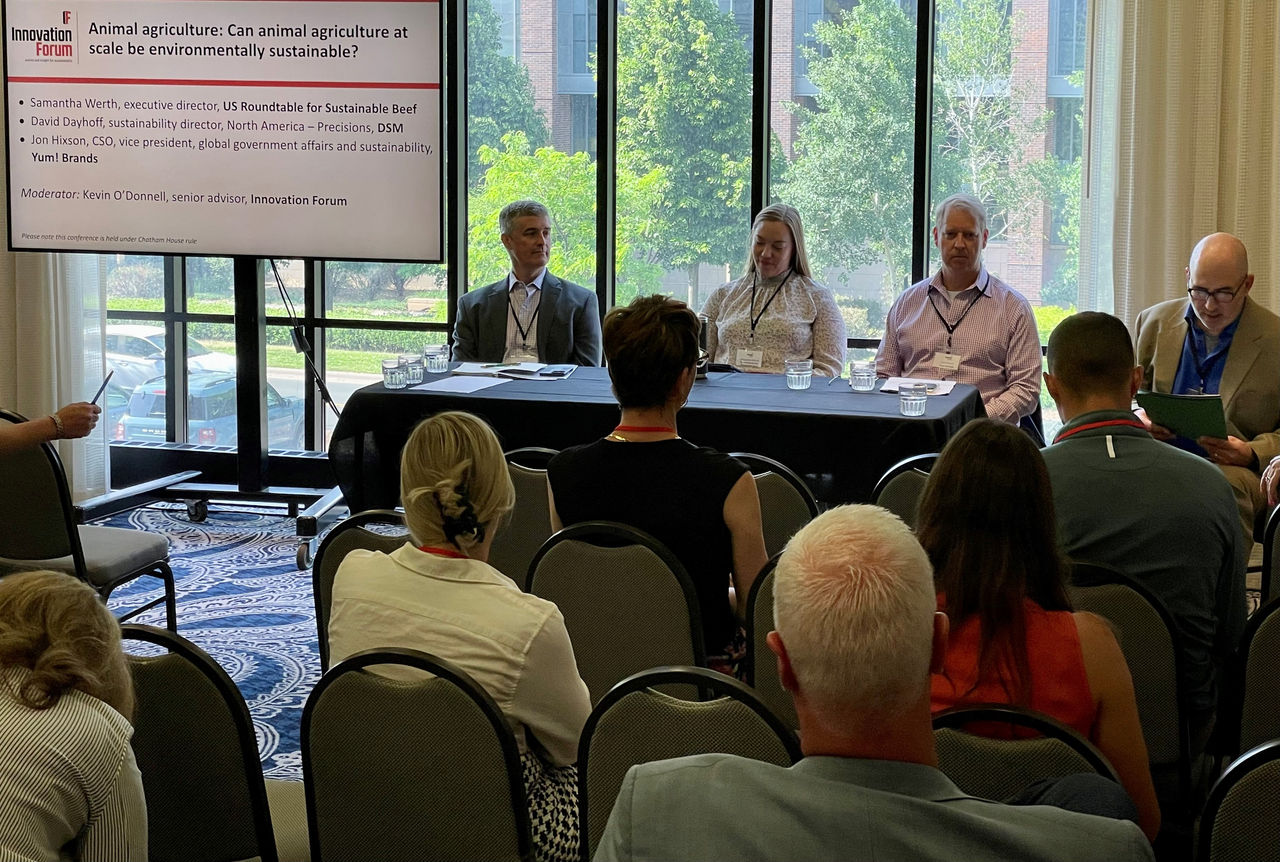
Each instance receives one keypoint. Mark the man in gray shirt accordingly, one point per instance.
(1125, 500)
(858, 633)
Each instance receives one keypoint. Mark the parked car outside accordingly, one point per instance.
(211, 413)
(136, 353)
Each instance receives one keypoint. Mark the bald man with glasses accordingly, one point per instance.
(1219, 341)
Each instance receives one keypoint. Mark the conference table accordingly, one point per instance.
(846, 439)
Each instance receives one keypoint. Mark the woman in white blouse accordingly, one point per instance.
(439, 594)
(776, 311)
(69, 786)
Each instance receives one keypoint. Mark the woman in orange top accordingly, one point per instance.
(988, 524)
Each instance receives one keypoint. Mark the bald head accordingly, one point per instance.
(1219, 281)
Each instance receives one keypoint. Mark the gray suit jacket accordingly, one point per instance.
(568, 324)
(1250, 386)
(717, 806)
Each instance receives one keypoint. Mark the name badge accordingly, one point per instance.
(749, 358)
(944, 361)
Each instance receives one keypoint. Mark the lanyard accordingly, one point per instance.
(1089, 426)
(1203, 371)
(524, 333)
(654, 429)
(952, 327)
(444, 552)
(755, 321)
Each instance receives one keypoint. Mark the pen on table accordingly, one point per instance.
(103, 387)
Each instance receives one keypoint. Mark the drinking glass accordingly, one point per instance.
(437, 358)
(412, 368)
(799, 373)
(912, 398)
(862, 376)
(394, 375)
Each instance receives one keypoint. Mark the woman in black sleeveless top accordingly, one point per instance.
(698, 502)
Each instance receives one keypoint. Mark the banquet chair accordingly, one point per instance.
(997, 767)
(635, 724)
(761, 665)
(194, 742)
(41, 532)
(529, 523)
(395, 770)
(1271, 557)
(901, 486)
(1257, 693)
(1150, 642)
(786, 503)
(627, 602)
(1241, 822)
(344, 538)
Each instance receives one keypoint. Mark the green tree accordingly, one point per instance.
(499, 92)
(684, 110)
(566, 184)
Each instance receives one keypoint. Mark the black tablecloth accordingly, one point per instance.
(826, 430)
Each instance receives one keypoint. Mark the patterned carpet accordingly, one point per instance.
(242, 599)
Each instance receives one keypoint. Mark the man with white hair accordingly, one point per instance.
(857, 637)
(965, 324)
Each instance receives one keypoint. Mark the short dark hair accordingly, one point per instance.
(1091, 352)
(647, 345)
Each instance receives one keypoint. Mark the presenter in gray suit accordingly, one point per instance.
(857, 636)
(529, 316)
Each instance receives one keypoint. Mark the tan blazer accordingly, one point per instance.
(1250, 386)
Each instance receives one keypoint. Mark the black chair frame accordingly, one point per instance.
(169, 599)
(1085, 574)
(1268, 556)
(1255, 757)
(1234, 701)
(758, 464)
(531, 457)
(710, 684)
(360, 519)
(958, 717)
(436, 666)
(239, 710)
(923, 463)
(613, 534)
(749, 665)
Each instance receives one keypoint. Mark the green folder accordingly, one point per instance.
(1189, 416)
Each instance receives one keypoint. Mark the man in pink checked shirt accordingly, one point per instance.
(964, 324)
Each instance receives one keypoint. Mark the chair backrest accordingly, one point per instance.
(43, 507)
(1259, 698)
(529, 524)
(1241, 821)
(635, 724)
(342, 540)
(786, 503)
(1271, 557)
(627, 602)
(900, 487)
(195, 746)
(1150, 643)
(761, 666)
(395, 770)
(995, 767)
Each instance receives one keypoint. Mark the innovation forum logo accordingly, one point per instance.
(54, 44)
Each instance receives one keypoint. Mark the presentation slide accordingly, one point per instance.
(271, 128)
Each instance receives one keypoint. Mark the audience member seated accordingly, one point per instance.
(987, 522)
(1219, 341)
(1158, 514)
(857, 636)
(72, 421)
(69, 786)
(776, 311)
(438, 594)
(700, 503)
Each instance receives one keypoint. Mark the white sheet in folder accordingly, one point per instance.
(934, 387)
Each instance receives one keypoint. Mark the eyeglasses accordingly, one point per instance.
(1221, 296)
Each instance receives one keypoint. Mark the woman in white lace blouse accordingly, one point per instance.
(776, 311)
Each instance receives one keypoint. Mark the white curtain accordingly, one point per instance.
(1182, 104)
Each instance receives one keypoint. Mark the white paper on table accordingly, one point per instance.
(933, 387)
(520, 370)
(461, 384)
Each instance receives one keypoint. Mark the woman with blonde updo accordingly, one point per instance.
(439, 594)
(69, 786)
